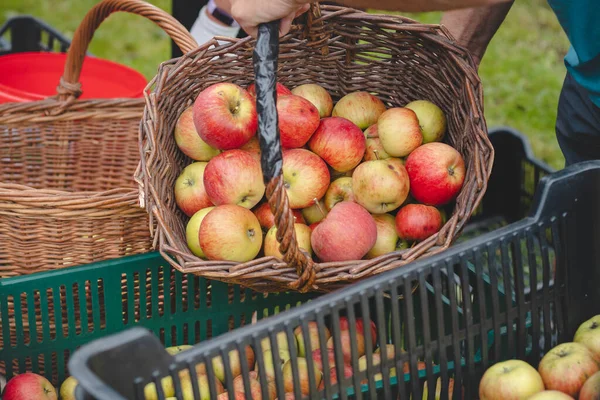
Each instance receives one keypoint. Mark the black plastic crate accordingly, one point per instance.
(27, 33)
(513, 292)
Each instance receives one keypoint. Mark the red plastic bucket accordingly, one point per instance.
(32, 76)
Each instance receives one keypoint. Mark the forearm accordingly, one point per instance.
(473, 28)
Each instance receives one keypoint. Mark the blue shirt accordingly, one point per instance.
(580, 19)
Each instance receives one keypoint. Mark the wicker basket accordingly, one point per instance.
(344, 50)
(67, 194)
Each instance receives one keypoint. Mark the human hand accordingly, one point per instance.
(250, 13)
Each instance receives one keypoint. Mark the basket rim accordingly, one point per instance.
(280, 273)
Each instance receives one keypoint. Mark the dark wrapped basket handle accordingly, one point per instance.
(265, 55)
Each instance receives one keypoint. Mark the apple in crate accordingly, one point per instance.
(399, 131)
(313, 335)
(374, 148)
(298, 120)
(230, 233)
(317, 357)
(432, 120)
(566, 367)
(190, 193)
(588, 334)
(318, 96)
(305, 176)
(511, 379)
(339, 142)
(436, 172)
(417, 222)
(234, 177)
(67, 388)
(302, 237)
(267, 219)
(29, 386)
(347, 233)
(333, 374)
(386, 236)
(380, 185)
(361, 108)
(302, 367)
(255, 390)
(225, 116)
(280, 88)
(591, 388)
(339, 190)
(551, 395)
(192, 231)
(188, 140)
(235, 365)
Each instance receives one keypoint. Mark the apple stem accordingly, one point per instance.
(376, 155)
(319, 206)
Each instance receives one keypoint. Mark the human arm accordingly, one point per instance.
(250, 13)
(474, 28)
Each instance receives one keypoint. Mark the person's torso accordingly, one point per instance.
(580, 20)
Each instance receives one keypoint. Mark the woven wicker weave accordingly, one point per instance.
(67, 195)
(343, 50)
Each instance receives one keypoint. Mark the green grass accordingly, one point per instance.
(522, 71)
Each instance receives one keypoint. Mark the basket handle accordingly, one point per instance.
(265, 56)
(69, 88)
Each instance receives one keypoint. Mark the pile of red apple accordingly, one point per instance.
(285, 349)
(568, 371)
(363, 180)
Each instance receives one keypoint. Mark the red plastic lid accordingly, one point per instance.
(35, 75)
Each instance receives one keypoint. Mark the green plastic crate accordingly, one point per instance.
(99, 299)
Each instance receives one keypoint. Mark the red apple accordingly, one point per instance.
(362, 108)
(510, 380)
(298, 120)
(318, 96)
(280, 88)
(432, 120)
(347, 233)
(225, 116)
(339, 142)
(551, 395)
(236, 396)
(386, 236)
(304, 383)
(339, 190)
(303, 233)
(588, 334)
(436, 172)
(344, 325)
(234, 177)
(29, 386)
(188, 140)
(380, 186)
(417, 222)
(190, 193)
(267, 219)
(591, 388)
(566, 367)
(374, 150)
(230, 233)
(252, 147)
(371, 132)
(317, 357)
(399, 131)
(347, 370)
(255, 388)
(306, 177)
(313, 334)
